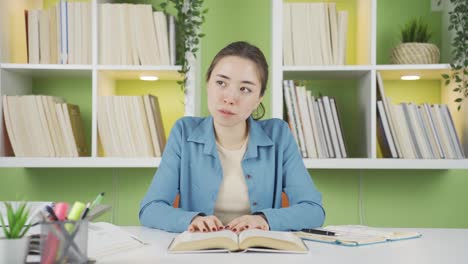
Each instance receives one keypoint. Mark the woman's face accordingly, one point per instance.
(233, 91)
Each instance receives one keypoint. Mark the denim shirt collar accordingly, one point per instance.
(204, 134)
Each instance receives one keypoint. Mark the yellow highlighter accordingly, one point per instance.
(75, 214)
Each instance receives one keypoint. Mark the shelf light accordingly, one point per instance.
(148, 78)
(410, 77)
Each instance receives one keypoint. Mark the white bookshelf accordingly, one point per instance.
(364, 72)
(17, 77)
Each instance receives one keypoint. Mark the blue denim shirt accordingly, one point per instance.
(190, 166)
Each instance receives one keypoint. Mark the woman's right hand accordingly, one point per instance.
(209, 223)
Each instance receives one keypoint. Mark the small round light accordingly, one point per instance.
(410, 77)
(148, 78)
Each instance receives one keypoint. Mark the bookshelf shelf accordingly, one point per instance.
(387, 164)
(353, 163)
(82, 162)
(48, 70)
(325, 72)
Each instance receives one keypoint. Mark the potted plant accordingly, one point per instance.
(415, 47)
(458, 24)
(14, 245)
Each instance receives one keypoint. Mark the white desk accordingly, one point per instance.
(435, 246)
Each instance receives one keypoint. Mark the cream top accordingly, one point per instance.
(233, 196)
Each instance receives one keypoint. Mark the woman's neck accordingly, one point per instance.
(231, 137)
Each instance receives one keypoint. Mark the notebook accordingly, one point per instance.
(357, 235)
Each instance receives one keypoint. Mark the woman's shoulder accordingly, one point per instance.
(274, 127)
(189, 121)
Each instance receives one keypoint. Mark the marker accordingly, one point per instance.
(75, 214)
(61, 210)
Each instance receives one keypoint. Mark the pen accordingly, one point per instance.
(51, 213)
(96, 201)
(318, 232)
(85, 212)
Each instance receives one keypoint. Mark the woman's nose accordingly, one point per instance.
(230, 96)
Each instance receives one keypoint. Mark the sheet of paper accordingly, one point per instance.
(106, 239)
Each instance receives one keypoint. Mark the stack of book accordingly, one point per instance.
(60, 34)
(44, 126)
(135, 35)
(130, 126)
(413, 131)
(314, 122)
(314, 34)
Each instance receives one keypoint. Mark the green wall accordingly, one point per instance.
(393, 198)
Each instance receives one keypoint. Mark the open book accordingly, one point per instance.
(357, 235)
(248, 240)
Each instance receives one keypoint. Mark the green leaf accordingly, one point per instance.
(447, 82)
(19, 225)
(445, 76)
(459, 107)
(5, 230)
(456, 90)
(10, 214)
(458, 100)
(20, 210)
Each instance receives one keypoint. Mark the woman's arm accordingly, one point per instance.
(305, 200)
(156, 208)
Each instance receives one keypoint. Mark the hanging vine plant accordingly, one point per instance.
(458, 23)
(189, 19)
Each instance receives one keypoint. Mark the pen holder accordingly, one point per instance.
(64, 242)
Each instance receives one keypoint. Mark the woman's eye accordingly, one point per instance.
(245, 90)
(221, 83)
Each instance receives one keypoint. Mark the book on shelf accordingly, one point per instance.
(392, 139)
(227, 241)
(357, 235)
(314, 122)
(383, 133)
(130, 126)
(60, 34)
(43, 126)
(132, 34)
(314, 34)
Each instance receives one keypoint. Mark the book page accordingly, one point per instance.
(271, 239)
(188, 241)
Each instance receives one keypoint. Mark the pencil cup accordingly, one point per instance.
(64, 242)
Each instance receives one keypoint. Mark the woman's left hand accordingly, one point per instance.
(245, 222)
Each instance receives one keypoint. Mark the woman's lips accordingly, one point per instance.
(226, 112)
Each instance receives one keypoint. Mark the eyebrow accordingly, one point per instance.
(225, 77)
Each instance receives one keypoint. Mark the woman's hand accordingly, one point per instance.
(205, 224)
(245, 222)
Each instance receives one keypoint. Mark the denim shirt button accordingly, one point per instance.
(254, 203)
(248, 176)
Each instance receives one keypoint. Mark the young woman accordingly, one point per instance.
(229, 169)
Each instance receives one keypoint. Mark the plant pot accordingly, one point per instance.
(415, 53)
(13, 251)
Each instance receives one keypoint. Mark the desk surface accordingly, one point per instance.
(435, 246)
